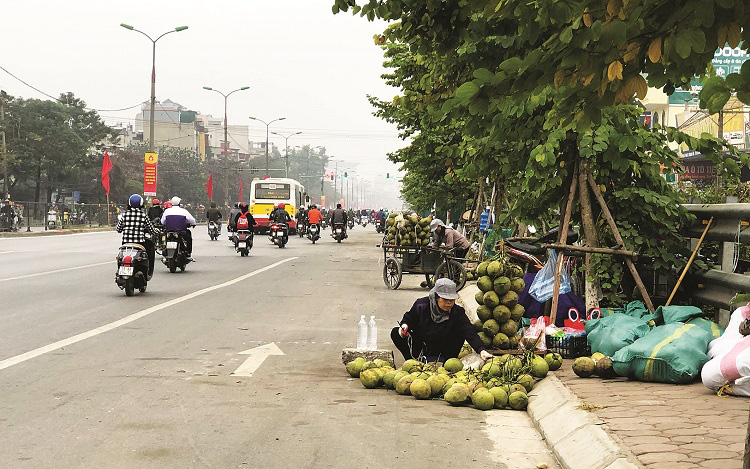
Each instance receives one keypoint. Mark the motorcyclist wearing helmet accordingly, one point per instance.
(134, 224)
(451, 238)
(244, 209)
(280, 215)
(213, 214)
(178, 219)
(155, 211)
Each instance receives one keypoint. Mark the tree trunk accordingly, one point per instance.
(592, 240)
(37, 187)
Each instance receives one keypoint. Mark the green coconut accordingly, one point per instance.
(420, 389)
(516, 387)
(500, 341)
(482, 268)
(477, 325)
(453, 365)
(510, 299)
(518, 400)
(484, 313)
(486, 340)
(539, 367)
(501, 313)
(513, 365)
(491, 300)
(402, 385)
(448, 384)
(500, 397)
(354, 367)
(484, 284)
(501, 285)
(411, 365)
(517, 285)
(436, 383)
(491, 327)
(554, 360)
(584, 367)
(388, 379)
(369, 379)
(457, 394)
(509, 328)
(527, 381)
(494, 269)
(517, 312)
(515, 271)
(514, 339)
(479, 297)
(483, 399)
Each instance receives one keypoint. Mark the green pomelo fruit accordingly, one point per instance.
(491, 327)
(494, 269)
(354, 367)
(501, 285)
(483, 399)
(604, 368)
(482, 268)
(514, 339)
(515, 271)
(513, 365)
(500, 341)
(554, 360)
(501, 314)
(500, 396)
(448, 384)
(509, 328)
(517, 285)
(517, 312)
(457, 394)
(491, 300)
(477, 327)
(368, 365)
(388, 379)
(484, 284)
(527, 381)
(402, 385)
(495, 370)
(516, 387)
(474, 385)
(380, 372)
(420, 389)
(382, 363)
(369, 379)
(486, 340)
(539, 367)
(484, 313)
(453, 365)
(411, 365)
(442, 371)
(436, 383)
(518, 400)
(584, 367)
(597, 356)
(510, 299)
(479, 297)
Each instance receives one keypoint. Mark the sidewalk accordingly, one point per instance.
(40, 231)
(665, 425)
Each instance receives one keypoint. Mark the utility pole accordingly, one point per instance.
(286, 150)
(268, 124)
(721, 124)
(3, 149)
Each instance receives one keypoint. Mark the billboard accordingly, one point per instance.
(149, 174)
(725, 61)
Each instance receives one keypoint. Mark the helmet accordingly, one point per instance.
(244, 206)
(167, 204)
(155, 202)
(435, 224)
(135, 201)
(176, 200)
(282, 205)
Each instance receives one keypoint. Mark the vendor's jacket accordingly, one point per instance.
(441, 336)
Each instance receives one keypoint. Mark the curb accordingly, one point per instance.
(26, 234)
(574, 436)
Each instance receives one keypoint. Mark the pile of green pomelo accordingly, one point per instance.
(503, 381)
(499, 281)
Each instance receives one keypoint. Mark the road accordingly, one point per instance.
(92, 379)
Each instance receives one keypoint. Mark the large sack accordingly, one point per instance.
(730, 372)
(672, 314)
(732, 335)
(672, 353)
(611, 333)
(708, 325)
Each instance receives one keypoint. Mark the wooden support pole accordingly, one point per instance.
(590, 250)
(618, 238)
(563, 237)
(592, 239)
(690, 261)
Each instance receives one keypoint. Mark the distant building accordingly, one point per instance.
(174, 124)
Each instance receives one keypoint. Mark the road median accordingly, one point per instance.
(29, 234)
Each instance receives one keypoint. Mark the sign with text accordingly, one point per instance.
(726, 60)
(149, 174)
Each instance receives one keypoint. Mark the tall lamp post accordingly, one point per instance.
(268, 124)
(153, 76)
(286, 148)
(225, 145)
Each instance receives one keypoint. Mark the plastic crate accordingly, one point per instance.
(568, 346)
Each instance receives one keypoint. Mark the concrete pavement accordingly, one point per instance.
(157, 390)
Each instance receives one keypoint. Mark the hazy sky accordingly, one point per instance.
(301, 62)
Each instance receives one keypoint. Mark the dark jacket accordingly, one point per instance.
(155, 212)
(233, 216)
(337, 216)
(280, 215)
(213, 214)
(250, 220)
(440, 338)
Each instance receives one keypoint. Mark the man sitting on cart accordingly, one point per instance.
(436, 327)
(449, 237)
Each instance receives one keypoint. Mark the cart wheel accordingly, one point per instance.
(453, 270)
(392, 273)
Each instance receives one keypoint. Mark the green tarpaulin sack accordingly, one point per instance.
(672, 314)
(611, 333)
(672, 353)
(715, 329)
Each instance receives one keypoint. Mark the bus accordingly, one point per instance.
(265, 193)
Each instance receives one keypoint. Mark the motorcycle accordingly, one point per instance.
(313, 233)
(324, 223)
(363, 221)
(243, 241)
(279, 234)
(132, 269)
(175, 252)
(380, 226)
(213, 230)
(301, 229)
(339, 234)
(159, 240)
(51, 219)
(351, 223)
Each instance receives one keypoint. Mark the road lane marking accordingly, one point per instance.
(256, 358)
(8, 362)
(68, 269)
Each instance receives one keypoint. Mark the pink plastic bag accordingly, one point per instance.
(534, 338)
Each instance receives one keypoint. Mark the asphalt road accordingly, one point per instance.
(92, 379)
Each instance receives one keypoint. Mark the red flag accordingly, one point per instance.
(106, 167)
(239, 199)
(210, 187)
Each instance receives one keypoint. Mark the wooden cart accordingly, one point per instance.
(431, 262)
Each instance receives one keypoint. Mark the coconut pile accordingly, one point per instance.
(503, 381)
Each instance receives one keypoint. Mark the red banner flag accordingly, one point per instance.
(239, 199)
(210, 187)
(106, 167)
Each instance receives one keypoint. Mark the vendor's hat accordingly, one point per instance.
(434, 224)
(445, 288)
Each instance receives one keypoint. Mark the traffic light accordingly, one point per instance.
(346, 174)
(387, 175)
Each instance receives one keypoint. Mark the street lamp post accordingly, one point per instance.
(286, 148)
(153, 76)
(225, 144)
(268, 124)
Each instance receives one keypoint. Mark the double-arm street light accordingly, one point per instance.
(153, 76)
(268, 124)
(225, 144)
(286, 148)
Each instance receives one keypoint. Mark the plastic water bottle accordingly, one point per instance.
(362, 334)
(372, 334)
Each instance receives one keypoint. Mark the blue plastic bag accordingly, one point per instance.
(543, 286)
